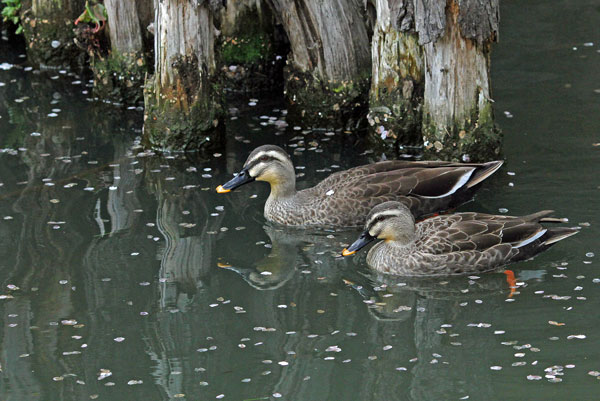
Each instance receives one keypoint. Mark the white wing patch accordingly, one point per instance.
(531, 239)
(459, 184)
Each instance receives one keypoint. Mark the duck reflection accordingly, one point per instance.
(290, 249)
(394, 297)
(442, 324)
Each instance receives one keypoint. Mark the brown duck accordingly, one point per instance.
(346, 197)
(452, 244)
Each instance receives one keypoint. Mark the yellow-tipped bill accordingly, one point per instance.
(222, 190)
(243, 177)
(364, 239)
(346, 252)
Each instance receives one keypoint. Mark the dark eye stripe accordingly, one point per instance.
(259, 160)
(376, 220)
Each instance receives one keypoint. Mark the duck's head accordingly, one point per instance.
(389, 221)
(267, 163)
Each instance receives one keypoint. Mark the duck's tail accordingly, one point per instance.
(484, 172)
(555, 234)
(544, 216)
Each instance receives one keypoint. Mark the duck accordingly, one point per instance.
(344, 198)
(460, 243)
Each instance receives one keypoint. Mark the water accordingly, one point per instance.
(128, 277)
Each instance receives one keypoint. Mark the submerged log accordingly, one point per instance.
(182, 106)
(48, 29)
(329, 63)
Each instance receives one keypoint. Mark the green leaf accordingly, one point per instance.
(94, 14)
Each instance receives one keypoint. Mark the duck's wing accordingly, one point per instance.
(419, 178)
(477, 232)
(393, 180)
(426, 187)
(423, 193)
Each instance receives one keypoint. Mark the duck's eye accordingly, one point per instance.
(380, 218)
(264, 158)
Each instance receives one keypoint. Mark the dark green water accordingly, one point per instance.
(126, 277)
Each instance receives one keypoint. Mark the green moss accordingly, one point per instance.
(170, 126)
(10, 13)
(246, 49)
(50, 41)
(476, 139)
(119, 77)
(332, 103)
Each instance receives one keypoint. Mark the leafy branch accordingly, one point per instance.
(10, 12)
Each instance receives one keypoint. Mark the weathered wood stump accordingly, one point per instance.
(119, 73)
(48, 29)
(249, 46)
(329, 64)
(458, 120)
(396, 94)
(182, 104)
(431, 76)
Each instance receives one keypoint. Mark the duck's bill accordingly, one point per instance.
(242, 178)
(364, 239)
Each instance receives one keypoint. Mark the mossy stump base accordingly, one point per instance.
(332, 104)
(173, 125)
(395, 121)
(50, 42)
(480, 143)
(120, 77)
(249, 64)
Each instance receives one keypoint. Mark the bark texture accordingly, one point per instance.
(234, 17)
(458, 120)
(48, 29)
(123, 26)
(119, 73)
(180, 100)
(397, 78)
(442, 48)
(329, 61)
(248, 47)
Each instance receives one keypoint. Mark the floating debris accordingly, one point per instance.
(576, 337)
(104, 373)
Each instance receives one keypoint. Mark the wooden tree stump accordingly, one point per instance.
(329, 63)
(48, 29)
(458, 120)
(396, 93)
(119, 73)
(182, 105)
(431, 76)
(248, 47)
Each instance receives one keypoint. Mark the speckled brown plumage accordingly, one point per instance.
(456, 243)
(346, 197)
